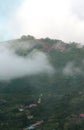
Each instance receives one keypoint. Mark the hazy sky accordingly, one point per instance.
(60, 19)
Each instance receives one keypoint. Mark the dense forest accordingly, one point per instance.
(45, 101)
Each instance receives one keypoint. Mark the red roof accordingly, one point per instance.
(32, 105)
(81, 115)
(38, 123)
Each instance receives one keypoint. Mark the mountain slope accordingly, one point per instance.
(59, 83)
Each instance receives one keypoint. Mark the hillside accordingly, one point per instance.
(54, 84)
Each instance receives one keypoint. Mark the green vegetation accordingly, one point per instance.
(62, 98)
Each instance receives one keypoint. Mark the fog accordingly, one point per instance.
(13, 66)
(71, 69)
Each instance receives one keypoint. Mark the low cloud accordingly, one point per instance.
(71, 69)
(13, 66)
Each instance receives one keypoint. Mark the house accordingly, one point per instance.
(32, 105)
(33, 126)
(21, 109)
(38, 123)
(39, 101)
(30, 117)
(29, 128)
(81, 115)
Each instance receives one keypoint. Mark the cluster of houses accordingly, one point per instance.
(58, 46)
(23, 107)
(29, 106)
(77, 117)
(38, 123)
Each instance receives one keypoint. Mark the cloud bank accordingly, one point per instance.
(13, 66)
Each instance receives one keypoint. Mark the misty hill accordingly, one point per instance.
(30, 67)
